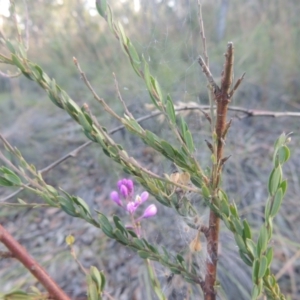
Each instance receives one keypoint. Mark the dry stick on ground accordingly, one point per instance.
(20, 253)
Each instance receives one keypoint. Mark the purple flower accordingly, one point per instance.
(141, 199)
(124, 191)
(114, 196)
(149, 212)
(128, 183)
(131, 207)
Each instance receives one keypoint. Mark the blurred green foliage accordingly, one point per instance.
(266, 35)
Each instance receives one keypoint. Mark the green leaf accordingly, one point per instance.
(189, 141)
(157, 89)
(269, 255)
(197, 181)
(175, 270)
(275, 180)
(228, 223)
(165, 256)
(144, 254)
(151, 247)
(224, 207)
(170, 110)
(255, 270)
(92, 289)
(82, 203)
(95, 275)
(255, 292)
(67, 206)
(110, 19)
(283, 186)
(240, 243)
(245, 259)
(280, 141)
(168, 149)
(48, 199)
(247, 230)
(263, 265)
(104, 223)
(233, 210)
(108, 232)
(132, 233)
(276, 203)
(11, 176)
(120, 237)
(101, 7)
(5, 182)
(180, 259)
(84, 122)
(251, 247)
(18, 63)
(133, 53)
(10, 46)
(138, 243)
(52, 190)
(238, 226)
(283, 154)
(262, 241)
(103, 281)
(268, 207)
(119, 225)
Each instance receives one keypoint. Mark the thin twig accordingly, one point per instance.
(202, 33)
(14, 17)
(6, 75)
(34, 205)
(208, 74)
(239, 81)
(121, 99)
(26, 26)
(100, 100)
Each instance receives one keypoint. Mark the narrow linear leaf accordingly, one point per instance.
(262, 240)
(275, 180)
(263, 265)
(170, 110)
(276, 203)
(283, 154)
(247, 230)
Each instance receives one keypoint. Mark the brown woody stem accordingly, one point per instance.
(20, 253)
(222, 98)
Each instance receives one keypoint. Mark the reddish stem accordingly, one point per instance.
(20, 253)
(222, 97)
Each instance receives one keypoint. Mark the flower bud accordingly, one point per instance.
(114, 196)
(124, 191)
(149, 212)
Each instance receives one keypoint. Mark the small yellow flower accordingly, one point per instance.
(70, 240)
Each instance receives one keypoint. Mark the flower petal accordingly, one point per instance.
(131, 207)
(114, 196)
(124, 191)
(149, 212)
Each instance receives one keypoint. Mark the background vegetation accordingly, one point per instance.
(266, 35)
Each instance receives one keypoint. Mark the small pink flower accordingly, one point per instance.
(129, 185)
(149, 212)
(114, 196)
(124, 191)
(141, 199)
(131, 207)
